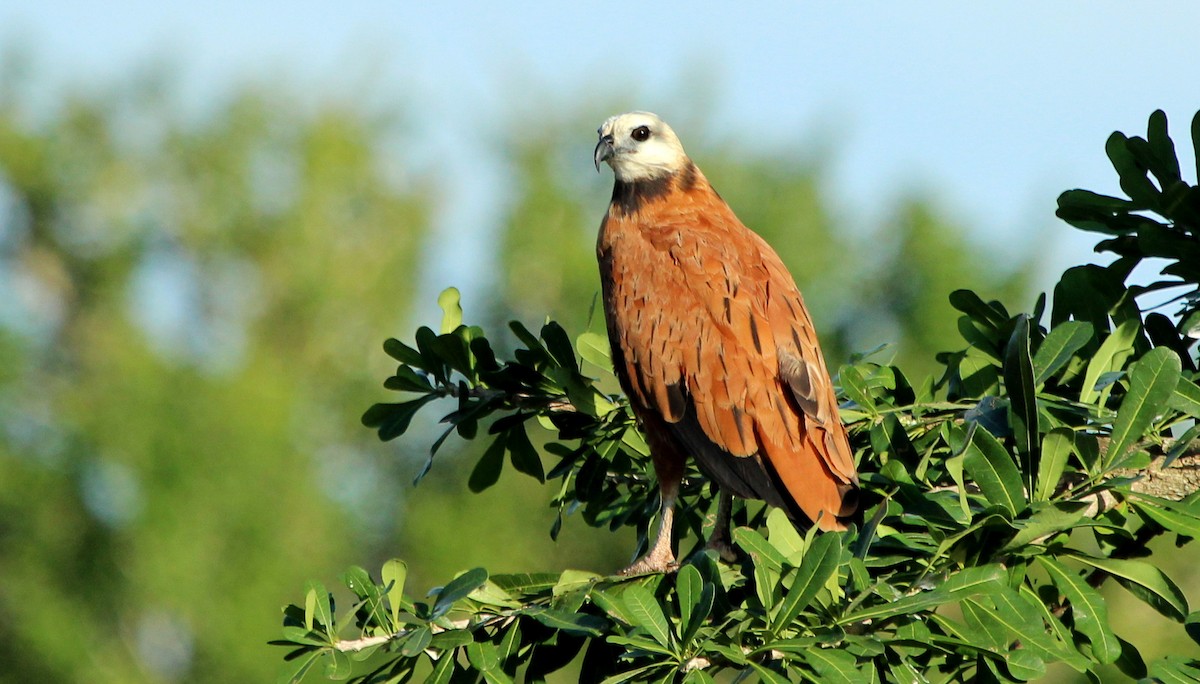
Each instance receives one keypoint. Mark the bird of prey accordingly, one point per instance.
(712, 344)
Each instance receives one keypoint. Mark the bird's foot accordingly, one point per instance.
(650, 564)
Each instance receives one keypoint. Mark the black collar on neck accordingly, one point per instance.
(630, 196)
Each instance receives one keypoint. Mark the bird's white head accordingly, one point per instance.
(639, 146)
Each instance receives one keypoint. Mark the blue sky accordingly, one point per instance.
(991, 109)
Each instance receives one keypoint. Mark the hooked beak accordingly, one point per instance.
(604, 150)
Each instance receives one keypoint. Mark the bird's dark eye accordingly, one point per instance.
(640, 133)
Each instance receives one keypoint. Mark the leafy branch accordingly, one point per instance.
(983, 492)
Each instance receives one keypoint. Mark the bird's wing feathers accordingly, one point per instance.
(714, 337)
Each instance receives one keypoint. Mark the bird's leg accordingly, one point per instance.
(719, 540)
(660, 557)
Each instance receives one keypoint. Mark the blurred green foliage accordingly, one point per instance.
(187, 335)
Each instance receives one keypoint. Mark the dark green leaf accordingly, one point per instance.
(1192, 625)
(1023, 414)
(1132, 176)
(645, 612)
(407, 380)
(833, 665)
(559, 346)
(487, 471)
(483, 656)
(1164, 164)
(1110, 357)
(580, 624)
(417, 640)
(1057, 446)
(820, 562)
(1175, 670)
(392, 420)
(768, 676)
(963, 584)
(1179, 518)
(524, 457)
(969, 303)
(1130, 662)
(1144, 581)
(855, 387)
(759, 549)
(1088, 610)
(1152, 381)
(458, 588)
(359, 581)
(993, 469)
(1186, 398)
(1056, 350)
(403, 353)
(443, 670)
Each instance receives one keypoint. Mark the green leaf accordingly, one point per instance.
(1130, 663)
(1175, 670)
(1152, 382)
(524, 457)
(1192, 625)
(1110, 357)
(993, 469)
(1060, 345)
(338, 665)
(834, 666)
(458, 588)
(594, 349)
(969, 303)
(960, 585)
(820, 562)
(443, 670)
(1186, 398)
(855, 387)
(525, 583)
(394, 573)
(417, 640)
(1057, 446)
(1132, 176)
(403, 353)
(322, 609)
(1024, 665)
(579, 624)
(452, 313)
(359, 581)
(1088, 610)
(483, 655)
(1047, 519)
(1022, 394)
(559, 346)
(759, 549)
(695, 601)
(782, 534)
(1180, 518)
(645, 612)
(1144, 581)
(407, 380)
(487, 470)
(392, 420)
(767, 675)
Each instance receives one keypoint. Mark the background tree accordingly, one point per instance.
(187, 335)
